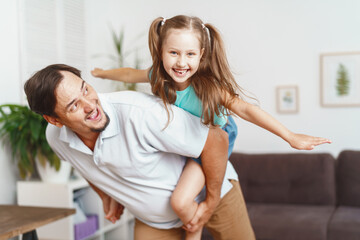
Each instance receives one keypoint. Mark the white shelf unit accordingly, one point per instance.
(37, 193)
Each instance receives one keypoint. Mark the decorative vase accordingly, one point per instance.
(50, 175)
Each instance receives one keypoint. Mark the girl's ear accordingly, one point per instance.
(202, 52)
(53, 120)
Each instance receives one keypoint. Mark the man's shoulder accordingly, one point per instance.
(131, 98)
(52, 135)
(52, 131)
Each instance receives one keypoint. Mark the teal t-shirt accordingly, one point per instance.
(189, 101)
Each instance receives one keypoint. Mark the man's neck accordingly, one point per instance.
(89, 140)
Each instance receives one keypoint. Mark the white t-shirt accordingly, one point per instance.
(136, 160)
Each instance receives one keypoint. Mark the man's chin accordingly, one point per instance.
(100, 129)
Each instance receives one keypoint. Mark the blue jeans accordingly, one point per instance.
(231, 129)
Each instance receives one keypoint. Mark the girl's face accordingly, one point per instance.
(181, 56)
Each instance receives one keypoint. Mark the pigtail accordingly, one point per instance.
(214, 84)
(154, 37)
(221, 69)
(159, 85)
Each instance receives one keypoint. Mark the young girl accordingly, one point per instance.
(190, 70)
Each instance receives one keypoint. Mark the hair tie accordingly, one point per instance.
(163, 21)
(207, 32)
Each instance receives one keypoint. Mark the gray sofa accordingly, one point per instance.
(301, 196)
(345, 222)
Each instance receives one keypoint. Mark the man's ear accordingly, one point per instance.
(53, 120)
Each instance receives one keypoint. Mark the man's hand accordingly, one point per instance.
(202, 216)
(112, 209)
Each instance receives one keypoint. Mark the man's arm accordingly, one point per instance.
(112, 209)
(214, 161)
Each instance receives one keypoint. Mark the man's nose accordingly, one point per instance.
(89, 105)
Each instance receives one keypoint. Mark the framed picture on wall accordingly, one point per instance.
(287, 100)
(340, 79)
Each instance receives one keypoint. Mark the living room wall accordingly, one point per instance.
(269, 44)
(9, 90)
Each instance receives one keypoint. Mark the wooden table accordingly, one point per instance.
(16, 220)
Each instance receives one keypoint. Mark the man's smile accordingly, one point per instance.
(94, 115)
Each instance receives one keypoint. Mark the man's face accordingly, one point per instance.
(78, 106)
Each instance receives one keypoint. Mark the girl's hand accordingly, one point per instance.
(306, 142)
(97, 72)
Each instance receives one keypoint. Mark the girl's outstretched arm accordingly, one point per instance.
(128, 75)
(259, 117)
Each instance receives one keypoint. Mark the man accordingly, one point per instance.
(119, 143)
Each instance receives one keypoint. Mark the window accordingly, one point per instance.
(51, 31)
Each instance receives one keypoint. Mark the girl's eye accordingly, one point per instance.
(173, 53)
(191, 54)
(86, 91)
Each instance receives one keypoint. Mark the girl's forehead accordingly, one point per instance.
(182, 34)
(180, 31)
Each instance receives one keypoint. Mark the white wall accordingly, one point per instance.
(9, 90)
(269, 43)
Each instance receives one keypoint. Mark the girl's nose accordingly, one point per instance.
(181, 61)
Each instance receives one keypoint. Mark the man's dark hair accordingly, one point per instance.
(40, 88)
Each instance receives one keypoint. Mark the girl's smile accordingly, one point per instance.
(181, 56)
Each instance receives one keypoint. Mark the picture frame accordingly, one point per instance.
(340, 79)
(287, 99)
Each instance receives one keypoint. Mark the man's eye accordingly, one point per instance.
(73, 107)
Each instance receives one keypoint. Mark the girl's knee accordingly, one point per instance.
(180, 204)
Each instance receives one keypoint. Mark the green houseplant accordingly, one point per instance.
(120, 57)
(24, 131)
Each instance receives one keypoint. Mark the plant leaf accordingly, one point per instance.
(24, 131)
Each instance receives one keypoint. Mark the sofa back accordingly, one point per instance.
(348, 178)
(286, 178)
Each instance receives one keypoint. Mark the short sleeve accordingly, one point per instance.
(150, 72)
(185, 134)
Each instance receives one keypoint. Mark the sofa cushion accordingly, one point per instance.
(289, 222)
(348, 175)
(286, 178)
(345, 224)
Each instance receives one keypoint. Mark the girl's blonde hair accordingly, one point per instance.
(213, 79)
